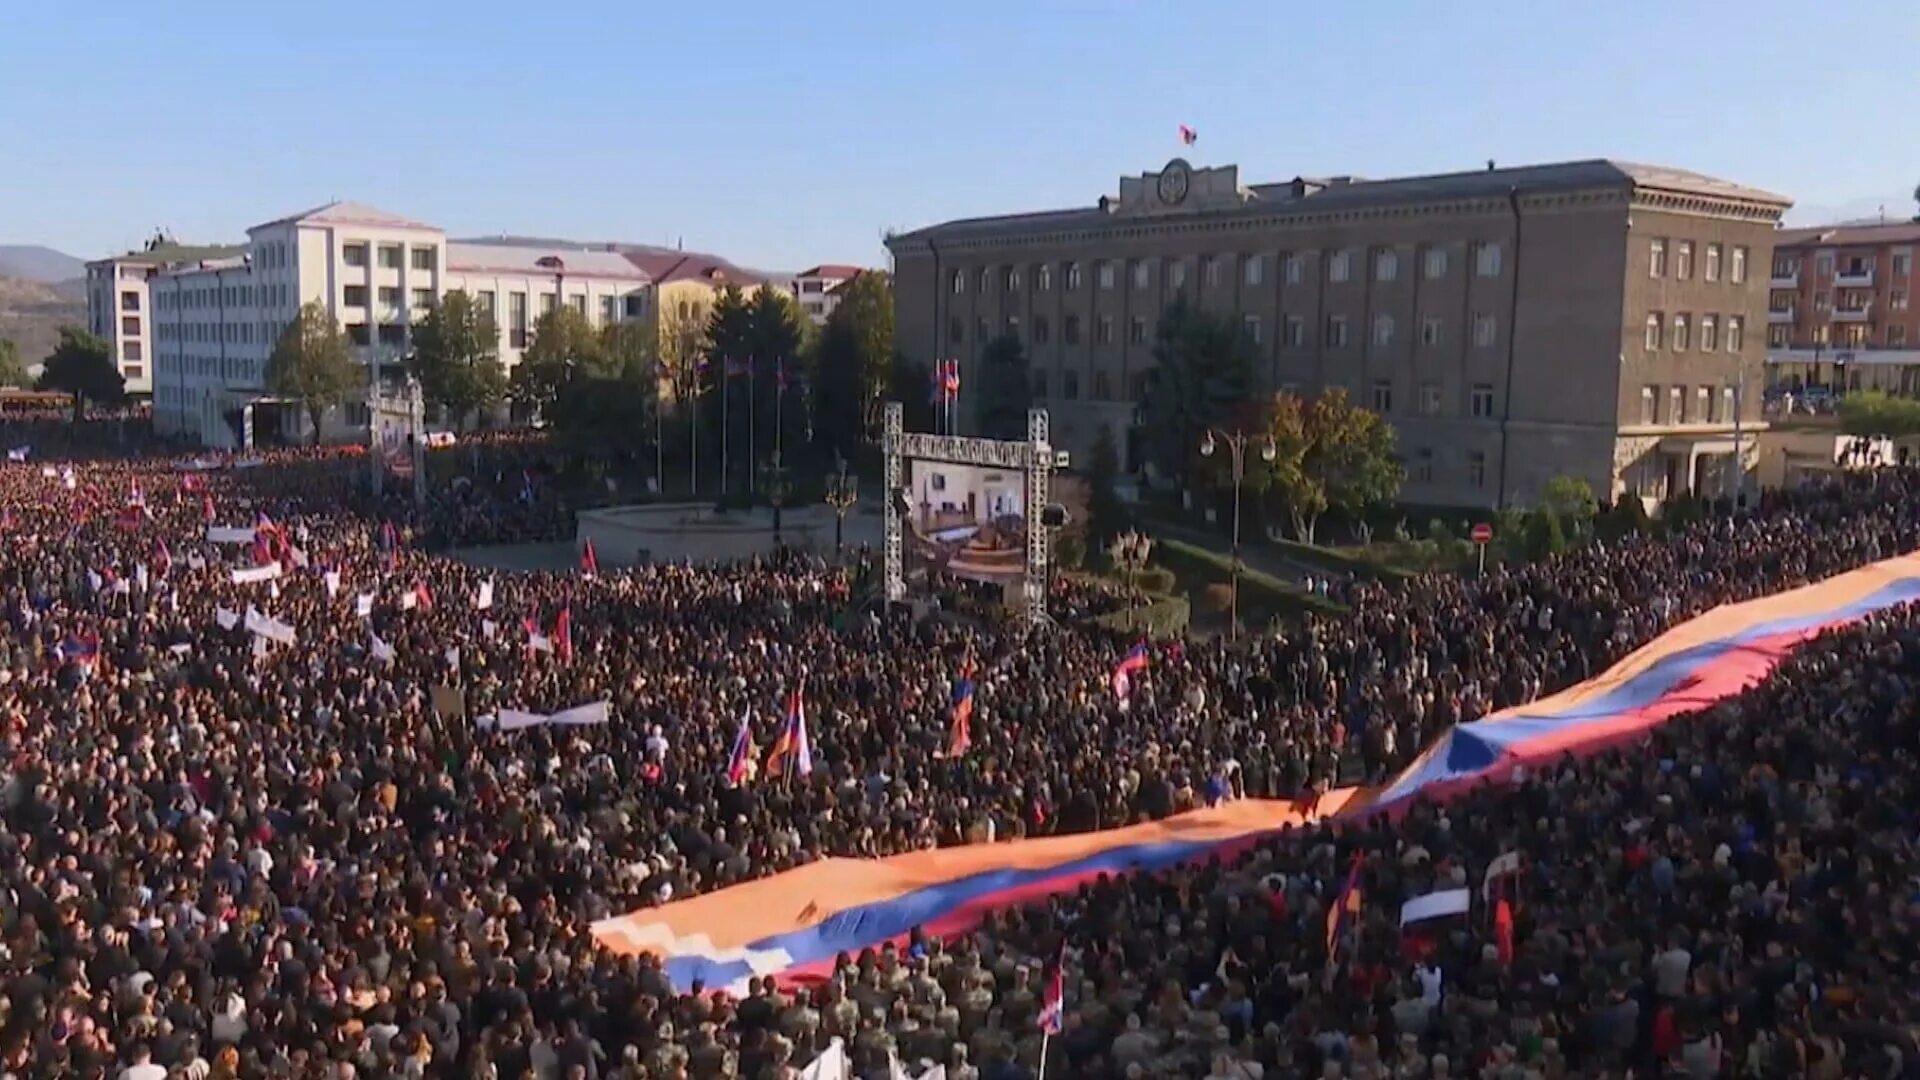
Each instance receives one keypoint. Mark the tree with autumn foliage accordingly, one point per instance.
(1330, 455)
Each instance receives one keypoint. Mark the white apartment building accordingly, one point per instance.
(216, 319)
(120, 307)
(818, 289)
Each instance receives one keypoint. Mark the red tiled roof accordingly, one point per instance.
(1893, 232)
(692, 266)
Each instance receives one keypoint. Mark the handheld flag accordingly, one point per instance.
(563, 635)
(1344, 909)
(792, 743)
(1503, 931)
(960, 733)
(1053, 1002)
(740, 761)
(1188, 136)
(1122, 681)
(589, 562)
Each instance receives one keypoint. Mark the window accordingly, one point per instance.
(1430, 330)
(130, 325)
(1485, 330)
(1856, 336)
(1012, 276)
(1737, 273)
(1073, 275)
(1480, 400)
(1486, 260)
(1041, 329)
(1657, 258)
(1103, 330)
(135, 371)
(959, 279)
(1702, 404)
(1137, 331)
(547, 302)
(609, 309)
(1382, 396)
(389, 296)
(1106, 274)
(986, 281)
(1902, 263)
(1070, 330)
(1649, 405)
(354, 296)
(1477, 468)
(1340, 267)
(132, 350)
(1423, 465)
(1896, 336)
(1679, 333)
(981, 332)
(1296, 331)
(1429, 399)
(393, 334)
(1897, 300)
(1683, 260)
(390, 256)
(1252, 324)
(1386, 266)
(1137, 386)
(1777, 336)
(1043, 277)
(1337, 331)
(1210, 270)
(1140, 274)
(1676, 405)
(1435, 263)
(1726, 404)
(1070, 385)
(956, 330)
(1713, 263)
(1296, 266)
(422, 298)
(1821, 300)
(1653, 330)
(358, 334)
(1177, 274)
(517, 320)
(1823, 264)
(130, 300)
(1382, 330)
(354, 254)
(1039, 384)
(1709, 333)
(421, 257)
(1255, 271)
(1102, 386)
(483, 301)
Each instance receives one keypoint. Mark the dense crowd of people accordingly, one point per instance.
(263, 828)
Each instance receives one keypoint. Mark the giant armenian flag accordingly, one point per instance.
(793, 925)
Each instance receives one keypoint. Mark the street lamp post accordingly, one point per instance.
(843, 490)
(1237, 450)
(773, 476)
(1129, 551)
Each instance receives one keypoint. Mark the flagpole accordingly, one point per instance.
(1046, 1037)
(753, 459)
(726, 423)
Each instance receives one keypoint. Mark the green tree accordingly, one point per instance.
(563, 343)
(456, 357)
(1570, 499)
(632, 350)
(605, 418)
(1203, 371)
(1106, 513)
(776, 334)
(1006, 389)
(866, 312)
(312, 365)
(13, 373)
(1329, 454)
(82, 365)
(910, 382)
(1874, 413)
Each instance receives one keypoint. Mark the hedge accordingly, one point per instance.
(1336, 561)
(1257, 588)
(1164, 617)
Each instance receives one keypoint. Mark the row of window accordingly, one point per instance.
(1430, 400)
(271, 256)
(356, 296)
(1341, 267)
(1486, 330)
(390, 256)
(1683, 261)
(195, 299)
(233, 333)
(241, 369)
(1677, 333)
(1852, 300)
(1420, 467)
(1710, 405)
(1852, 336)
(1787, 265)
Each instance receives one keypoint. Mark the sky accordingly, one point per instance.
(784, 135)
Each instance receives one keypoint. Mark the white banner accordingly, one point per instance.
(484, 599)
(268, 627)
(228, 534)
(363, 604)
(598, 712)
(227, 619)
(1436, 905)
(253, 575)
(381, 650)
(332, 580)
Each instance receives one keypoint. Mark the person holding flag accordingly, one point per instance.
(960, 732)
(1053, 1006)
(1344, 911)
(1122, 680)
(792, 745)
(740, 760)
(589, 562)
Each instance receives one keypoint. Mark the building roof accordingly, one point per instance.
(830, 270)
(1304, 195)
(169, 253)
(666, 268)
(347, 213)
(1893, 232)
(465, 257)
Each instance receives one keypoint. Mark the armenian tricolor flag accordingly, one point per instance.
(1053, 1004)
(1135, 660)
(740, 761)
(960, 733)
(792, 743)
(1344, 909)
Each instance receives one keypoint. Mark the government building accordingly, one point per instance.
(1592, 318)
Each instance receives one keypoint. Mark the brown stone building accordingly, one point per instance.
(1841, 312)
(1639, 295)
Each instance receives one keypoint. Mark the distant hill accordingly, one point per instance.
(32, 262)
(32, 312)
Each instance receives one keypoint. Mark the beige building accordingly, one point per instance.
(1591, 318)
(120, 305)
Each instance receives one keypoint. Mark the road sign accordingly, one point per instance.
(1482, 533)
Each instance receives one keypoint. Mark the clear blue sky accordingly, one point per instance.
(793, 133)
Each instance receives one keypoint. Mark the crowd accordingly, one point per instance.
(303, 852)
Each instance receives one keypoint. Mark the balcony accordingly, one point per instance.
(1785, 316)
(1859, 314)
(1789, 279)
(1854, 279)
